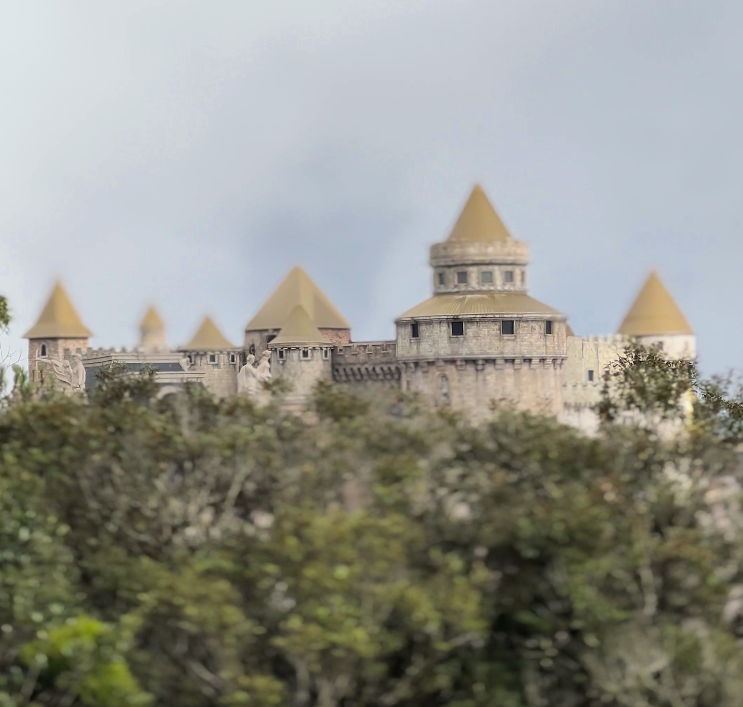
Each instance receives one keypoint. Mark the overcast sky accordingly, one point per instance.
(190, 153)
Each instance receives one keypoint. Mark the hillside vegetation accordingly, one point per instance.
(196, 553)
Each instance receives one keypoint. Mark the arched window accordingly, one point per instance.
(43, 349)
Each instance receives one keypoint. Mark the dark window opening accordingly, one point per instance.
(462, 278)
(442, 278)
(548, 327)
(326, 353)
(486, 277)
(457, 328)
(233, 358)
(43, 349)
(508, 327)
(212, 358)
(281, 354)
(305, 353)
(414, 330)
(590, 376)
(509, 276)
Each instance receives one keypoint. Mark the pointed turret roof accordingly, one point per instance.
(208, 338)
(299, 329)
(152, 321)
(58, 319)
(654, 312)
(297, 288)
(479, 222)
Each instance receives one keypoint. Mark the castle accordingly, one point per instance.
(479, 340)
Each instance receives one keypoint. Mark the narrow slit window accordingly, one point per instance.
(43, 349)
(590, 375)
(508, 275)
(442, 278)
(414, 330)
(457, 328)
(486, 277)
(462, 277)
(326, 353)
(548, 327)
(508, 327)
(233, 358)
(281, 354)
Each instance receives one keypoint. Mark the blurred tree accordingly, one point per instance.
(197, 552)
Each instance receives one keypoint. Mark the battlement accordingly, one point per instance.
(611, 339)
(366, 353)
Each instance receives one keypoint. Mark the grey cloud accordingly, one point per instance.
(190, 154)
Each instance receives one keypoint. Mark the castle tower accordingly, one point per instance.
(211, 352)
(301, 354)
(481, 338)
(654, 319)
(58, 331)
(296, 289)
(152, 333)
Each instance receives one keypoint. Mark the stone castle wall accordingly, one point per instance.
(303, 372)
(482, 339)
(473, 387)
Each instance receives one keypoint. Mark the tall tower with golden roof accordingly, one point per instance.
(58, 331)
(654, 319)
(481, 338)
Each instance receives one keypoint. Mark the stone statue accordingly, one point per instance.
(61, 369)
(247, 382)
(184, 363)
(263, 373)
(77, 373)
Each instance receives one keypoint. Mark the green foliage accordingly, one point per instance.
(201, 553)
(5, 317)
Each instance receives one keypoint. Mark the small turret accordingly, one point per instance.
(152, 330)
(58, 331)
(301, 354)
(654, 319)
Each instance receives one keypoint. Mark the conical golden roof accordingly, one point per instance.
(208, 338)
(654, 312)
(479, 222)
(299, 329)
(152, 321)
(58, 319)
(297, 288)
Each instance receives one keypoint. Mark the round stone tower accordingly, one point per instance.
(481, 340)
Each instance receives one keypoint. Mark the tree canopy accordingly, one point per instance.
(201, 553)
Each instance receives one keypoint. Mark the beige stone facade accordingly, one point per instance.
(479, 341)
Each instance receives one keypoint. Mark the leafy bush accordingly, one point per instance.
(194, 552)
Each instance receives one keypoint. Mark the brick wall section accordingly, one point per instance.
(221, 377)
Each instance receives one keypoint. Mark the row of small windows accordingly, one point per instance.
(486, 277)
(305, 354)
(508, 328)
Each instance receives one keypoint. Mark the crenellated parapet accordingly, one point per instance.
(365, 362)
